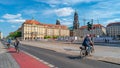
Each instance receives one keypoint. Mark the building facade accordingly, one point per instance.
(113, 30)
(1, 35)
(98, 30)
(32, 29)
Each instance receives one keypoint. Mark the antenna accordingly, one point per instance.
(84, 20)
(91, 21)
(97, 21)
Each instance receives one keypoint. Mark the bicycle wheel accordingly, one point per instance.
(8, 45)
(83, 53)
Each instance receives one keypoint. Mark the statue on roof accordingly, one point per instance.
(57, 22)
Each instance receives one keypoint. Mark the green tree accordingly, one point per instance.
(47, 37)
(55, 37)
(15, 34)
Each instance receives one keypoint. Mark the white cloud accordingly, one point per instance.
(16, 20)
(66, 21)
(1, 20)
(11, 16)
(107, 4)
(64, 11)
(94, 14)
(52, 5)
(105, 9)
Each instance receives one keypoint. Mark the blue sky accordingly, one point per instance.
(14, 12)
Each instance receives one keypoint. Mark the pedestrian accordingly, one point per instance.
(16, 44)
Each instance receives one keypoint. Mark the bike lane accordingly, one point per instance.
(26, 61)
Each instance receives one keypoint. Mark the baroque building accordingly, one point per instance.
(98, 30)
(76, 21)
(113, 30)
(32, 29)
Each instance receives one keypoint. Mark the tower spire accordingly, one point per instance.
(76, 21)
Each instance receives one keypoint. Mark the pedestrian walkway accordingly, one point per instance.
(6, 60)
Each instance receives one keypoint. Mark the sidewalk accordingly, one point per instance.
(102, 53)
(9, 58)
(6, 60)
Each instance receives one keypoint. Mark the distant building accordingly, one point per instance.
(75, 24)
(113, 29)
(1, 36)
(98, 30)
(76, 21)
(32, 29)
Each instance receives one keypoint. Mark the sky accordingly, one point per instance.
(14, 12)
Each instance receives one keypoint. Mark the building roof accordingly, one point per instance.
(55, 26)
(31, 22)
(113, 24)
(94, 26)
(47, 25)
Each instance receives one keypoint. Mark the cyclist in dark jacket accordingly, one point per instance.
(87, 43)
(16, 44)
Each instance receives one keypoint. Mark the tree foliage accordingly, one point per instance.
(15, 34)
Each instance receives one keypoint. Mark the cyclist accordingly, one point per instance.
(16, 44)
(87, 43)
(8, 43)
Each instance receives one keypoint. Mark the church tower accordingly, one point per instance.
(76, 21)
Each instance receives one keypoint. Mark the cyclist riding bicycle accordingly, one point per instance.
(16, 44)
(8, 43)
(88, 44)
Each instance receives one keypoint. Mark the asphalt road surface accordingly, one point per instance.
(66, 61)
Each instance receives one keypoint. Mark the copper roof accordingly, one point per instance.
(113, 24)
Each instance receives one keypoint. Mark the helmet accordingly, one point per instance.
(87, 35)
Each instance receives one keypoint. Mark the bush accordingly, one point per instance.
(47, 37)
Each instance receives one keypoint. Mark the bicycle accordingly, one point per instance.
(17, 49)
(84, 52)
(8, 45)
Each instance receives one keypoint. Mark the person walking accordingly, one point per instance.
(16, 44)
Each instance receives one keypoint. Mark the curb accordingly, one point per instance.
(104, 59)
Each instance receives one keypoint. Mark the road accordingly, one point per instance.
(65, 61)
